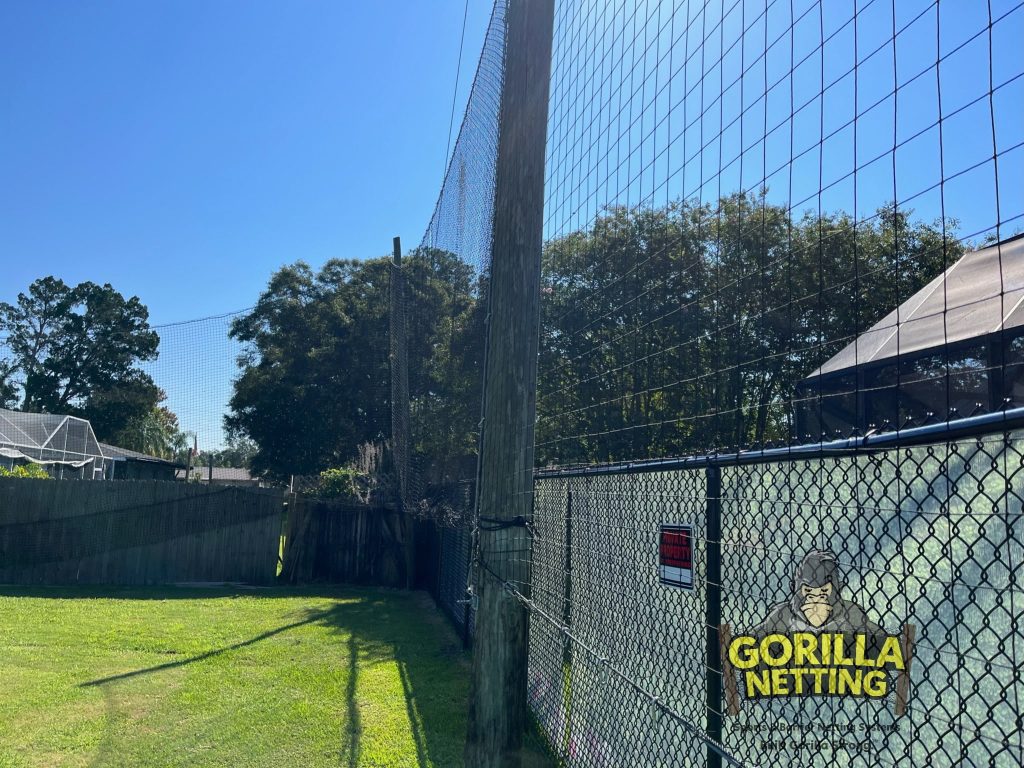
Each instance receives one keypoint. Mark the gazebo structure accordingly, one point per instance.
(953, 350)
(65, 445)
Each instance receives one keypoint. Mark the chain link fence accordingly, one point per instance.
(929, 536)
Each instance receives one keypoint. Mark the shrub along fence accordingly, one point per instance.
(144, 532)
(348, 541)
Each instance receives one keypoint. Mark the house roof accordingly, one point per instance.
(231, 473)
(219, 473)
(983, 292)
(115, 452)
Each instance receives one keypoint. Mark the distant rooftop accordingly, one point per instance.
(219, 473)
(115, 452)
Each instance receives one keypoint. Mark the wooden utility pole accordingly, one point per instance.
(498, 705)
(399, 362)
(401, 422)
(193, 451)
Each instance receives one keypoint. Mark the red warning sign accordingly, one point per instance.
(676, 555)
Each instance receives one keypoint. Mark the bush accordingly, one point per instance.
(338, 483)
(32, 470)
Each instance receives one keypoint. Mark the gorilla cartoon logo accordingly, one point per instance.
(817, 603)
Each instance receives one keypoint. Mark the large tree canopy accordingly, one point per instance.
(314, 381)
(685, 329)
(665, 331)
(75, 350)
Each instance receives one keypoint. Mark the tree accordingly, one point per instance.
(238, 453)
(685, 329)
(75, 351)
(155, 432)
(311, 382)
(314, 380)
(8, 386)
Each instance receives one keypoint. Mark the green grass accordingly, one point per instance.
(223, 677)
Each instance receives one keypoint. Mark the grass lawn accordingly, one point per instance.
(229, 677)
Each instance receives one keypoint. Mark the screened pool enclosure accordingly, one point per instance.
(65, 445)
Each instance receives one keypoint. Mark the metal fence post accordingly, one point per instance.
(713, 612)
(567, 596)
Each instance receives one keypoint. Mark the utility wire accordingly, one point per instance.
(455, 90)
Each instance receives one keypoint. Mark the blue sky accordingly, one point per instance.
(183, 150)
(660, 101)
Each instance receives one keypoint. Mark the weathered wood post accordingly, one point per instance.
(399, 363)
(498, 705)
(401, 421)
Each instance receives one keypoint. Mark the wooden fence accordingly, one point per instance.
(136, 532)
(347, 541)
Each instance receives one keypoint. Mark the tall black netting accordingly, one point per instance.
(196, 368)
(777, 519)
(441, 287)
(102, 430)
(775, 223)
(445, 290)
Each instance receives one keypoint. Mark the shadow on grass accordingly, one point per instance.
(105, 747)
(426, 651)
(402, 628)
(376, 626)
(209, 654)
(355, 725)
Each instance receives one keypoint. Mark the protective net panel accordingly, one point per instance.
(750, 210)
(451, 594)
(780, 236)
(196, 368)
(440, 298)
